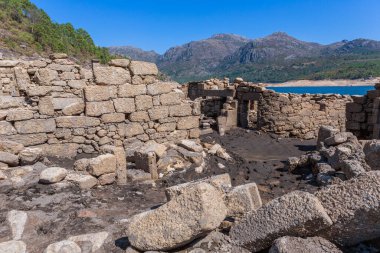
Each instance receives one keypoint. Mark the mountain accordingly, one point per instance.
(26, 30)
(197, 59)
(278, 57)
(135, 53)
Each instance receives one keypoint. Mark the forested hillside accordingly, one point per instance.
(26, 29)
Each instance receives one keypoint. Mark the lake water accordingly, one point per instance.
(343, 90)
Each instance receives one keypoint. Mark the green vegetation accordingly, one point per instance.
(312, 69)
(26, 29)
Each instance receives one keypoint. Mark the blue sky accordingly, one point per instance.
(160, 24)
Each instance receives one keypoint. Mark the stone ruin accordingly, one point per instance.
(226, 105)
(132, 127)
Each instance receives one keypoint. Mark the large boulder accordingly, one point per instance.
(294, 214)
(289, 244)
(180, 221)
(354, 208)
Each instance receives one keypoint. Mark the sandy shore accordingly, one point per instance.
(304, 83)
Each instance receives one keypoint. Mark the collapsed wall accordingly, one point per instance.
(64, 108)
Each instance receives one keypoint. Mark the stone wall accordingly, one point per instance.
(63, 107)
(301, 115)
(363, 118)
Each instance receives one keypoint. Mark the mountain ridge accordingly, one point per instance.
(277, 57)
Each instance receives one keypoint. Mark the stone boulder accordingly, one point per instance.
(17, 220)
(102, 164)
(63, 247)
(354, 208)
(13, 247)
(289, 244)
(372, 154)
(11, 146)
(8, 158)
(180, 221)
(52, 175)
(294, 214)
(29, 156)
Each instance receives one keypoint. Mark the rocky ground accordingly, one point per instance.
(55, 213)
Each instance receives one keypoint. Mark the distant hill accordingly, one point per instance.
(25, 30)
(275, 58)
(135, 53)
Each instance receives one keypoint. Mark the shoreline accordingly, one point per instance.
(324, 83)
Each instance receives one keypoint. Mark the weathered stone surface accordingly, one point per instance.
(325, 132)
(76, 84)
(289, 244)
(77, 121)
(99, 108)
(191, 145)
(83, 181)
(133, 129)
(96, 239)
(12, 247)
(180, 110)
(22, 77)
(73, 109)
(143, 68)
(188, 122)
(124, 63)
(221, 182)
(64, 150)
(11, 146)
(243, 199)
(294, 214)
(372, 154)
(45, 106)
(353, 206)
(16, 220)
(28, 139)
(6, 128)
(7, 102)
(179, 221)
(35, 126)
(8, 158)
(124, 105)
(45, 76)
(111, 75)
(129, 90)
(61, 103)
(100, 93)
(52, 175)
(336, 139)
(160, 88)
(19, 114)
(143, 102)
(166, 127)
(38, 91)
(113, 118)
(140, 116)
(29, 156)
(63, 247)
(158, 113)
(107, 179)
(121, 163)
(102, 164)
(172, 98)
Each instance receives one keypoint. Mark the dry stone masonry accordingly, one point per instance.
(63, 108)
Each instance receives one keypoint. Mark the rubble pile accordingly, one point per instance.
(339, 156)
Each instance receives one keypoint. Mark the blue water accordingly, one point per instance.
(343, 90)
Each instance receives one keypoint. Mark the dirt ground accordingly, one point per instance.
(55, 214)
